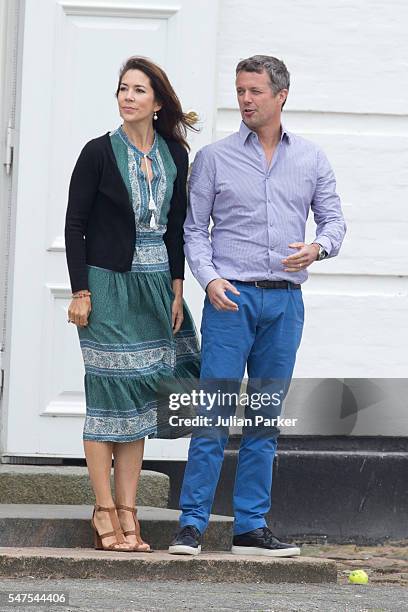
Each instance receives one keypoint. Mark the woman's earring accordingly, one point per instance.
(155, 117)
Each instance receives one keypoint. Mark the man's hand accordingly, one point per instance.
(306, 255)
(216, 294)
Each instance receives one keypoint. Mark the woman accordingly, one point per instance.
(124, 245)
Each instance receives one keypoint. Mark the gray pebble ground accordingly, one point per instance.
(177, 596)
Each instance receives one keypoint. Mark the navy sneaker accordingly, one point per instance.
(262, 542)
(186, 542)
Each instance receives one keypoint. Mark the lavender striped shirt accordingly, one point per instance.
(258, 211)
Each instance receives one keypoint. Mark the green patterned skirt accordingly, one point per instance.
(132, 359)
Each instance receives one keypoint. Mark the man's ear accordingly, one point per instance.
(283, 94)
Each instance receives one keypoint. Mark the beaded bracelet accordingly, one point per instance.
(81, 295)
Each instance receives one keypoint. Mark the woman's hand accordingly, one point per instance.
(177, 312)
(78, 311)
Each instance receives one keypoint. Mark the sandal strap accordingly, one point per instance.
(128, 508)
(130, 532)
(117, 529)
(133, 510)
(108, 534)
(114, 547)
(98, 508)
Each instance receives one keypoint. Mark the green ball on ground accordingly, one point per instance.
(358, 577)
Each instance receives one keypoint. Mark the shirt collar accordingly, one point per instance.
(244, 133)
(126, 140)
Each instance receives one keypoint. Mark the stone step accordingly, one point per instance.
(68, 526)
(61, 563)
(69, 485)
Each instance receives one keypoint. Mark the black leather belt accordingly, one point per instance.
(270, 284)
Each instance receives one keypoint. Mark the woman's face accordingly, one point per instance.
(136, 97)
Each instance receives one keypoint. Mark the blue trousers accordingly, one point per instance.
(263, 335)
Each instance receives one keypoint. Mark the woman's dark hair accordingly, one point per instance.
(172, 122)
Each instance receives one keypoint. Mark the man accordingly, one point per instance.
(258, 186)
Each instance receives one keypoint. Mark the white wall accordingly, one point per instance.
(348, 61)
(348, 65)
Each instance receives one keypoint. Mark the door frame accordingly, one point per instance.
(161, 449)
(11, 20)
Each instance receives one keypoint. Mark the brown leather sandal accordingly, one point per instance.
(143, 547)
(117, 531)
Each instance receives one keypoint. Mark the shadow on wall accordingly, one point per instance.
(352, 406)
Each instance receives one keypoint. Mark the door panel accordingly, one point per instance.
(71, 55)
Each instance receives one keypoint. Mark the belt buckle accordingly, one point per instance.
(256, 285)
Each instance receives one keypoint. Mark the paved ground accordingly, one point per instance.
(90, 595)
(386, 564)
(387, 591)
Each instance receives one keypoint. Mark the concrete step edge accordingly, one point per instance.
(208, 567)
(68, 526)
(84, 512)
(70, 485)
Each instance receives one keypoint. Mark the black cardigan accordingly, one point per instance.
(100, 227)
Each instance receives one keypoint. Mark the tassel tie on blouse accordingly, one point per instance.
(152, 204)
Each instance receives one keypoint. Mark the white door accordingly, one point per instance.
(70, 57)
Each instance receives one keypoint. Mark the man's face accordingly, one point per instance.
(258, 105)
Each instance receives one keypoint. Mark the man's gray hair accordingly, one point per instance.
(276, 69)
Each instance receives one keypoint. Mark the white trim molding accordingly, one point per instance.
(65, 406)
(58, 245)
(59, 290)
(114, 9)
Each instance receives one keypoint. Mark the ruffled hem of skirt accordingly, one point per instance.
(126, 408)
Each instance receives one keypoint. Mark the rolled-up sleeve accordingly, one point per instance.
(326, 207)
(197, 244)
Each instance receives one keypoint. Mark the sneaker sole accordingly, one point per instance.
(180, 549)
(266, 552)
